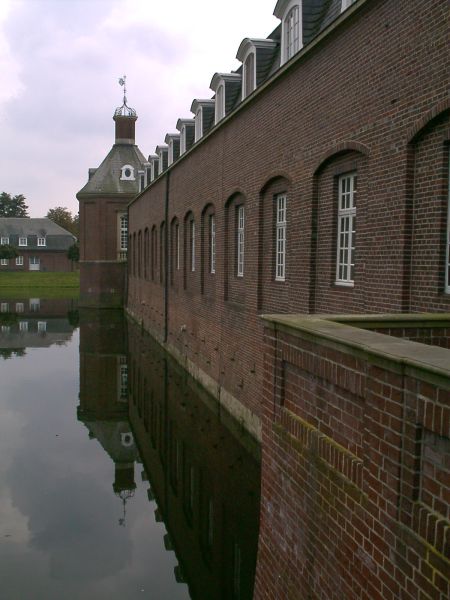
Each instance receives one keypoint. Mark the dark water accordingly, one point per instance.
(119, 477)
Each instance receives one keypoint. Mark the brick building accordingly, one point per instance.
(103, 215)
(259, 214)
(42, 245)
(316, 181)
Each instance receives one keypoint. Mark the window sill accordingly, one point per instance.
(344, 284)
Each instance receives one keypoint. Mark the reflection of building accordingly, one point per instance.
(41, 244)
(104, 396)
(203, 478)
(36, 323)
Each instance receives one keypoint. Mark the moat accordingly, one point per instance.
(119, 476)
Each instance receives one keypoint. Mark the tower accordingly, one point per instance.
(103, 214)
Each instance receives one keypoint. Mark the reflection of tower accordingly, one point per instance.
(104, 394)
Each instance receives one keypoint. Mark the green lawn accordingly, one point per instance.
(40, 285)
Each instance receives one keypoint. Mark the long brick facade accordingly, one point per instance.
(369, 97)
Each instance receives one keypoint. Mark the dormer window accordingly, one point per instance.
(141, 180)
(256, 56)
(292, 33)
(4, 241)
(198, 124)
(127, 173)
(249, 76)
(183, 139)
(220, 103)
(41, 241)
(23, 241)
(290, 13)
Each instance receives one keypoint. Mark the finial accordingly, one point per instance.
(124, 110)
(123, 82)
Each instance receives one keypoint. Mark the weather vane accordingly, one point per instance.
(123, 82)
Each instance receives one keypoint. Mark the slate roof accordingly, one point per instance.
(23, 227)
(106, 179)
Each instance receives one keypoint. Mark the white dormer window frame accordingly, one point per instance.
(141, 175)
(41, 241)
(160, 163)
(23, 241)
(183, 140)
(170, 152)
(127, 173)
(249, 62)
(346, 4)
(198, 121)
(4, 241)
(220, 103)
(290, 14)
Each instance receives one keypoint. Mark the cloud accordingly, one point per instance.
(60, 62)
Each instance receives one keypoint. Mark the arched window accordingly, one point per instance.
(249, 75)
(292, 33)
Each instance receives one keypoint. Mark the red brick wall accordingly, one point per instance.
(355, 474)
(384, 116)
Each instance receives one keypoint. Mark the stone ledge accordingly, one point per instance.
(431, 363)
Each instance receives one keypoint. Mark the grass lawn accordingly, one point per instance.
(39, 285)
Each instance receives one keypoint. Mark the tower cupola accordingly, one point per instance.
(125, 118)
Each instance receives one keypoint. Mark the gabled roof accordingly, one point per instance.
(23, 226)
(106, 179)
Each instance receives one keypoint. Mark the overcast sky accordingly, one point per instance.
(60, 61)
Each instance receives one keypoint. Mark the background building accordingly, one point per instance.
(42, 245)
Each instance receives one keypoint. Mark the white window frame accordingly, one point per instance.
(141, 175)
(42, 326)
(170, 153)
(240, 240)
(4, 307)
(345, 260)
(4, 262)
(123, 232)
(177, 246)
(245, 91)
(19, 261)
(220, 103)
(280, 237)
(4, 241)
(198, 121)
(292, 37)
(192, 233)
(212, 243)
(283, 11)
(23, 241)
(447, 253)
(20, 307)
(41, 241)
(123, 175)
(23, 326)
(183, 140)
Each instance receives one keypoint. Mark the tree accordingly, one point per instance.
(63, 217)
(8, 251)
(73, 253)
(13, 206)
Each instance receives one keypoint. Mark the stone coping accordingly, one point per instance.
(431, 363)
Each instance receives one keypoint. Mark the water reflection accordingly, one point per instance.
(204, 476)
(149, 494)
(35, 323)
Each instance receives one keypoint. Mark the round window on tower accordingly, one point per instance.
(127, 173)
